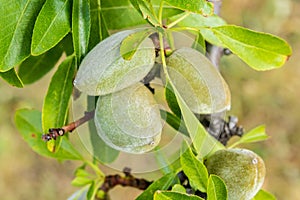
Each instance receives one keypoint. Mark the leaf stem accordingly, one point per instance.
(160, 12)
(178, 20)
(184, 28)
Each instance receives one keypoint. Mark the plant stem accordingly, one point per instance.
(160, 12)
(56, 132)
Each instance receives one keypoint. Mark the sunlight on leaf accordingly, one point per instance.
(197, 6)
(264, 195)
(216, 188)
(194, 169)
(81, 24)
(255, 135)
(261, 51)
(52, 25)
(56, 103)
(17, 20)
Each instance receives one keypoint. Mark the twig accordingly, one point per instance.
(56, 132)
(126, 181)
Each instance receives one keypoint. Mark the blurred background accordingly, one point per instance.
(270, 98)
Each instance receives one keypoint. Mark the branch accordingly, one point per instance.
(126, 181)
(57, 132)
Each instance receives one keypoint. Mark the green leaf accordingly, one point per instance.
(81, 24)
(172, 102)
(255, 135)
(202, 141)
(52, 25)
(161, 184)
(56, 102)
(261, 51)
(199, 22)
(131, 43)
(168, 195)
(115, 12)
(82, 177)
(196, 6)
(12, 78)
(99, 29)
(264, 195)
(94, 187)
(35, 67)
(193, 169)
(174, 121)
(199, 43)
(80, 181)
(216, 188)
(148, 12)
(16, 21)
(101, 151)
(29, 123)
(178, 188)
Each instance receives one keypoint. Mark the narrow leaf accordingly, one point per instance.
(194, 169)
(202, 141)
(148, 12)
(197, 6)
(35, 67)
(174, 121)
(16, 21)
(199, 43)
(172, 101)
(56, 102)
(29, 123)
(80, 181)
(98, 30)
(81, 24)
(52, 25)
(168, 195)
(12, 78)
(264, 195)
(94, 188)
(261, 51)
(216, 188)
(161, 184)
(131, 43)
(255, 135)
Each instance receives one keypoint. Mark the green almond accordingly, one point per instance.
(242, 170)
(129, 120)
(198, 81)
(105, 71)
